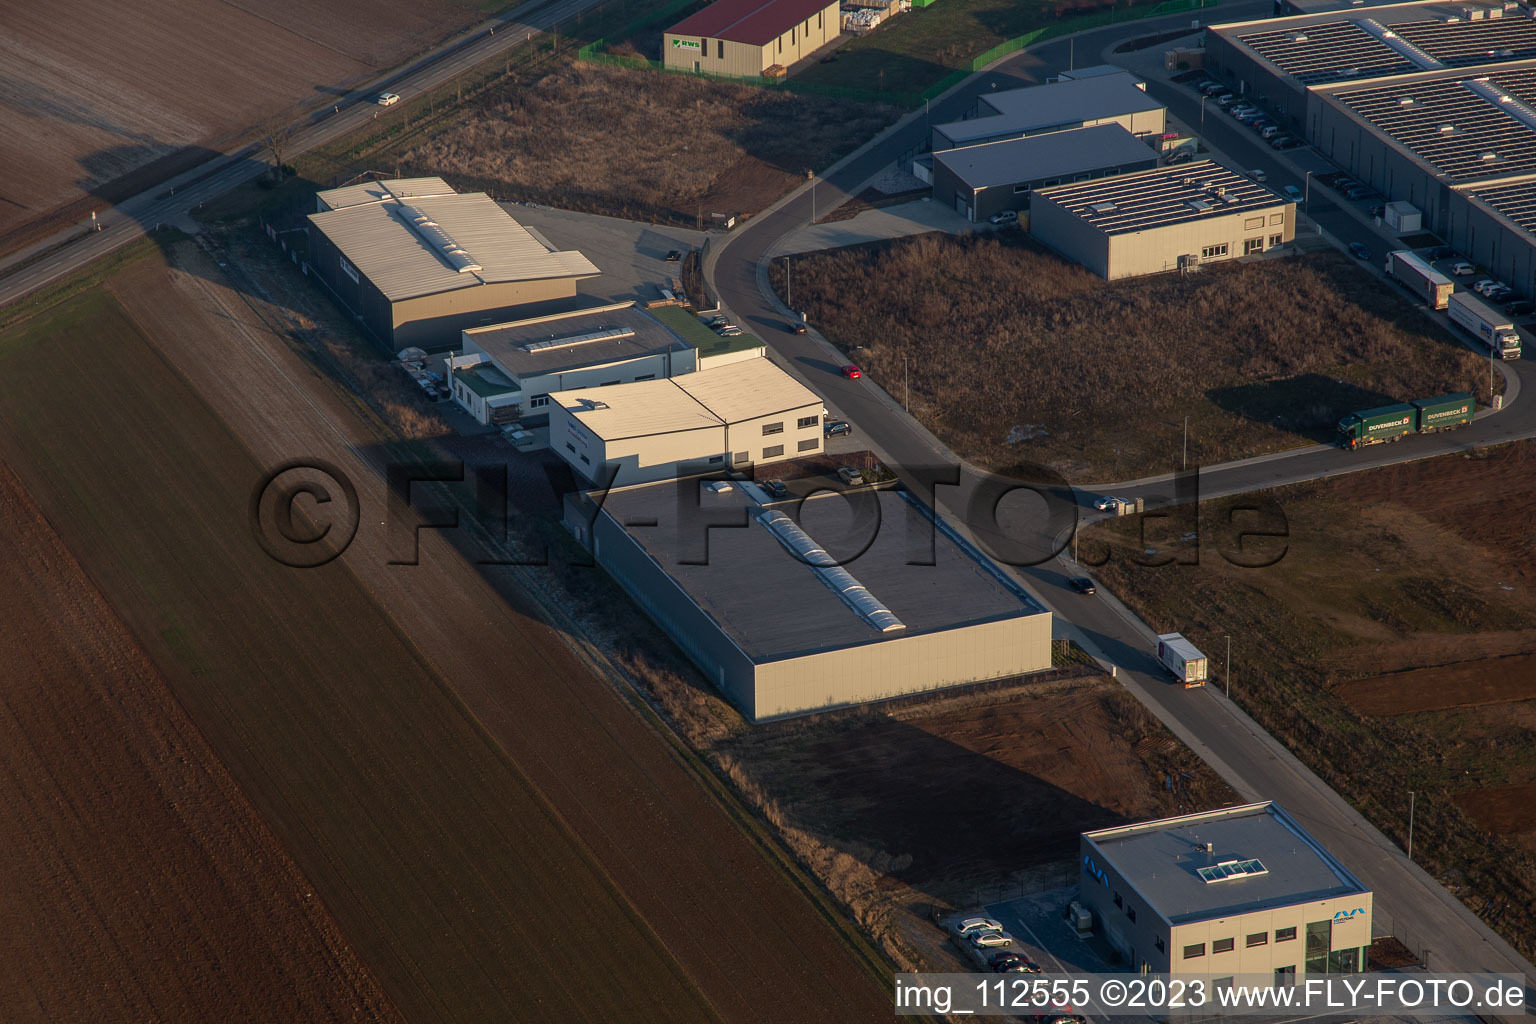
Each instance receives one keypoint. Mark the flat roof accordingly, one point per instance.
(1462, 127)
(1163, 859)
(1380, 41)
(774, 605)
(428, 244)
(1052, 155)
(706, 398)
(1038, 107)
(594, 337)
(1514, 201)
(1160, 197)
(754, 22)
(692, 330)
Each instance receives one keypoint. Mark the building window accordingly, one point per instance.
(791, 37)
(810, 444)
(1159, 944)
(716, 458)
(538, 401)
(1275, 240)
(720, 48)
(1130, 912)
(570, 447)
(1118, 901)
(819, 25)
(1213, 251)
(1222, 945)
(586, 460)
(1258, 939)
(609, 383)
(773, 452)
(1020, 190)
(1190, 952)
(1224, 983)
(1276, 218)
(1285, 934)
(1253, 222)
(1252, 245)
(773, 428)
(646, 376)
(740, 458)
(781, 44)
(1052, 181)
(807, 421)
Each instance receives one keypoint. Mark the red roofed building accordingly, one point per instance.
(744, 38)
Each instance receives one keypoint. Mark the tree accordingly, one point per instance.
(276, 134)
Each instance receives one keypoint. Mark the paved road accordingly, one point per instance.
(72, 249)
(1251, 761)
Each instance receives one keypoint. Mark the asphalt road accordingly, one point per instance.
(1251, 761)
(74, 248)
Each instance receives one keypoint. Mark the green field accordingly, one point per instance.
(445, 869)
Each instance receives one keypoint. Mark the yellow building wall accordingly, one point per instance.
(740, 60)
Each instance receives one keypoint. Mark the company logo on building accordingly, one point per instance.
(685, 44)
(1345, 915)
(1096, 871)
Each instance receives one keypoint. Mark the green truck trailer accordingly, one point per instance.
(1392, 422)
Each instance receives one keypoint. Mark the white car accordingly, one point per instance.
(386, 99)
(717, 486)
(991, 939)
(967, 925)
(1108, 504)
(1005, 217)
(1461, 268)
(1258, 176)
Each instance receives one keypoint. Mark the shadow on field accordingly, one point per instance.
(1308, 405)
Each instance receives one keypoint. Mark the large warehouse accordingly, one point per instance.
(764, 613)
(1173, 218)
(1016, 113)
(1242, 890)
(979, 181)
(738, 414)
(417, 262)
(744, 38)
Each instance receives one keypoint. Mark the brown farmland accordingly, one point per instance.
(140, 882)
(101, 89)
(1460, 685)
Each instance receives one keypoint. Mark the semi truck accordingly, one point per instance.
(1488, 326)
(1179, 657)
(1395, 422)
(1419, 277)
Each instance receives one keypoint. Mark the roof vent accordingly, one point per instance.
(1296, 37)
(1102, 207)
(1405, 101)
(1347, 72)
(1229, 200)
(1447, 129)
(1200, 206)
(1488, 157)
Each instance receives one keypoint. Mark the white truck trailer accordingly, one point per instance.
(1488, 326)
(1420, 278)
(1180, 657)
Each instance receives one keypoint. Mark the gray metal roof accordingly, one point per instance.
(1060, 104)
(505, 343)
(1158, 198)
(1052, 155)
(367, 192)
(774, 605)
(1463, 127)
(1162, 859)
(440, 243)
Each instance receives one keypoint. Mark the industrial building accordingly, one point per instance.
(1118, 98)
(778, 626)
(735, 415)
(1172, 218)
(744, 38)
(979, 181)
(1242, 890)
(417, 262)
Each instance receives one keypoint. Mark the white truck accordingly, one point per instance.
(1420, 278)
(1480, 320)
(1181, 658)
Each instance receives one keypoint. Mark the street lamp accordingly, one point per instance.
(1203, 98)
(788, 300)
(1306, 192)
(1228, 675)
(1410, 824)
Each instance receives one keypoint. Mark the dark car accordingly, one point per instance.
(1286, 142)
(1004, 956)
(1440, 252)
(1083, 585)
(775, 488)
(1520, 307)
(674, 256)
(795, 327)
(1359, 251)
(835, 428)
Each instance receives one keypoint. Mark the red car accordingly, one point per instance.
(852, 372)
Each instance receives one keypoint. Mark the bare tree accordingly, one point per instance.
(276, 133)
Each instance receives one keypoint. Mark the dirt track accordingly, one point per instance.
(140, 884)
(740, 926)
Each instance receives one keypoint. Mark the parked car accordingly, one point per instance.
(1285, 142)
(990, 939)
(730, 332)
(1258, 175)
(717, 486)
(1461, 268)
(717, 321)
(1439, 252)
(1212, 88)
(1520, 307)
(1083, 585)
(1180, 156)
(775, 488)
(1482, 286)
(386, 99)
(1226, 99)
(1361, 192)
(1498, 294)
(1359, 251)
(966, 925)
(675, 256)
(1004, 217)
(851, 372)
(1292, 193)
(850, 476)
(1109, 504)
(836, 428)
(1004, 956)
(795, 327)
(1242, 110)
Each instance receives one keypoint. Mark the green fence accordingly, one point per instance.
(594, 53)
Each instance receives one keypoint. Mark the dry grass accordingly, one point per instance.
(1007, 340)
(644, 144)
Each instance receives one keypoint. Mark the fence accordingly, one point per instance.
(594, 53)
